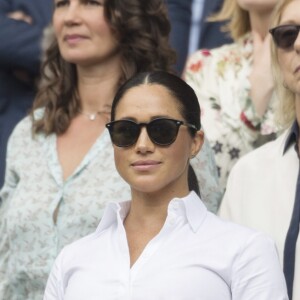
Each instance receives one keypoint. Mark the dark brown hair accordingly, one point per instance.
(185, 96)
(142, 29)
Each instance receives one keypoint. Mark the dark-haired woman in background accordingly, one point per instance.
(163, 244)
(60, 170)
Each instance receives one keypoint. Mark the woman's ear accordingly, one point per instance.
(198, 141)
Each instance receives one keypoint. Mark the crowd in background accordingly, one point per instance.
(57, 171)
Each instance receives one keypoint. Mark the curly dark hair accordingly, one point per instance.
(142, 29)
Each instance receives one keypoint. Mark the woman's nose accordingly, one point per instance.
(72, 14)
(144, 143)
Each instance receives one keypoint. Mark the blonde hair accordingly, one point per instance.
(238, 19)
(285, 110)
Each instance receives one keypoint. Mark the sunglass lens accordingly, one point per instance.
(124, 133)
(163, 132)
(285, 36)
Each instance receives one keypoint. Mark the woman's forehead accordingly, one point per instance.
(290, 13)
(150, 98)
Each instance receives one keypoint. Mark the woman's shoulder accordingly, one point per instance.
(23, 129)
(262, 157)
(77, 250)
(239, 237)
(226, 53)
(211, 65)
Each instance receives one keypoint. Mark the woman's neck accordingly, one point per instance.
(146, 216)
(260, 23)
(97, 87)
(147, 208)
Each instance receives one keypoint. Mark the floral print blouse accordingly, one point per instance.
(220, 80)
(40, 213)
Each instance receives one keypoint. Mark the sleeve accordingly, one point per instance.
(221, 97)
(257, 273)
(205, 169)
(20, 46)
(180, 16)
(6, 193)
(54, 288)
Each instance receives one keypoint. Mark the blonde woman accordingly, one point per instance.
(263, 189)
(234, 84)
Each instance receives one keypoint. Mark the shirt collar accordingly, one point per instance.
(292, 137)
(190, 207)
(113, 213)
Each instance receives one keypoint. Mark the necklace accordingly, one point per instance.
(92, 117)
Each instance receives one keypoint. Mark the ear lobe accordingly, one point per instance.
(197, 144)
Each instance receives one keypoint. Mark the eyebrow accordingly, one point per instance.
(151, 119)
(289, 22)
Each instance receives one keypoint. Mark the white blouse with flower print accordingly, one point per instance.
(220, 78)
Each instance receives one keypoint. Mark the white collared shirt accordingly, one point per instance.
(261, 194)
(40, 212)
(196, 255)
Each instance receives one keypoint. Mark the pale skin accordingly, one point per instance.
(154, 186)
(85, 39)
(96, 92)
(261, 77)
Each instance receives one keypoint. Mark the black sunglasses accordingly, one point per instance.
(285, 36)
(162, 131)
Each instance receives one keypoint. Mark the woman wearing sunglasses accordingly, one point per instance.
(60, 170)
(163, 244)
(263, 189)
